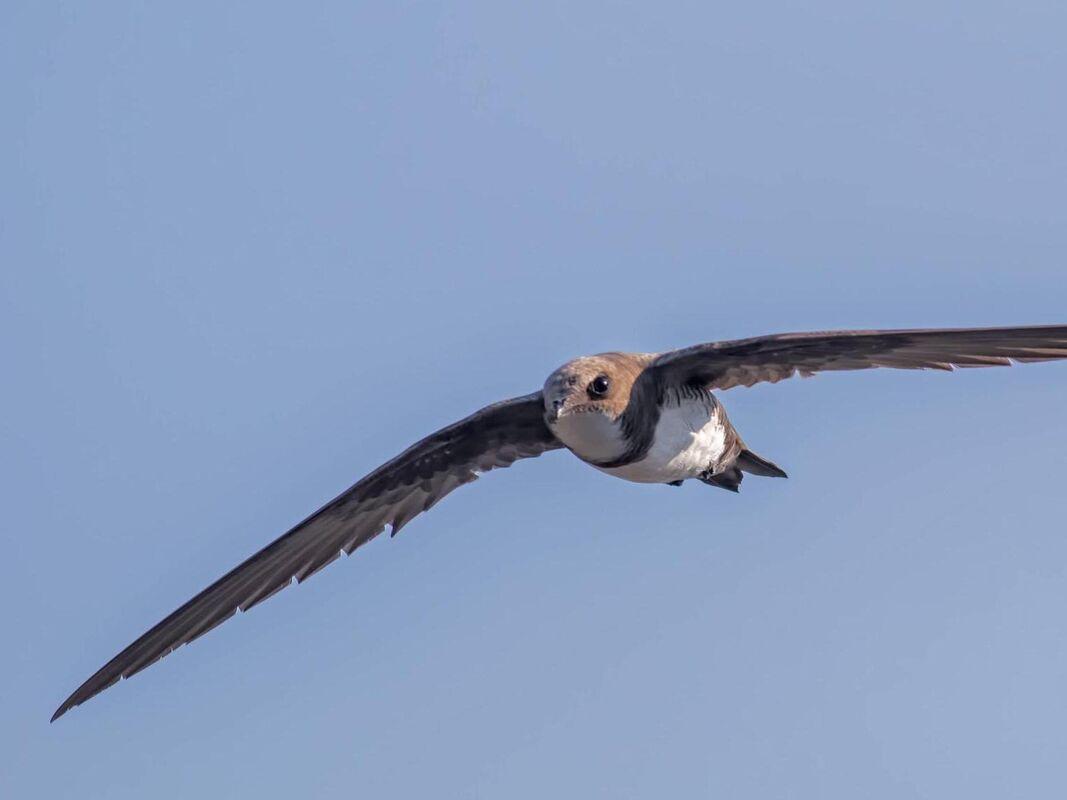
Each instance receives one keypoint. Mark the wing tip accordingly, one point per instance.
(87, 691)
(64, 707)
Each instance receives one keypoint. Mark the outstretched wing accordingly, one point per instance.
(496, 436)
(744, 362)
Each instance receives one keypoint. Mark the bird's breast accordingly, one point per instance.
(690, 436)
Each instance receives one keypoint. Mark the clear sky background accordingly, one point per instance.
(249, 252)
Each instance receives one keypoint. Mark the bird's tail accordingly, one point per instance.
(746, 461)
(757, 465)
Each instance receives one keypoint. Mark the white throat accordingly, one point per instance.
(591, 435)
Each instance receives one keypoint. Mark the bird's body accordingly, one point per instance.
(642, 417)
(678, 433)
(691, 437)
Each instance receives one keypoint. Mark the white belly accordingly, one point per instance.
(689, 437)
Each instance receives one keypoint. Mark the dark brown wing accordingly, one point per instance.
(744, 362)
(494, 437)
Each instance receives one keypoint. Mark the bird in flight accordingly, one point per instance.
(643, 417)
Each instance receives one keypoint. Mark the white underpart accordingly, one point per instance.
(689, 437)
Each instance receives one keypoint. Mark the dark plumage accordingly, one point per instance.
(390, 496)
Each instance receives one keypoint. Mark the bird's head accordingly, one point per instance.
(598, 384)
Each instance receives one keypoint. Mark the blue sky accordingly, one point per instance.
(252, 251)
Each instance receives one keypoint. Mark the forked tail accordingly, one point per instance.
(757, 465)
(746, 461)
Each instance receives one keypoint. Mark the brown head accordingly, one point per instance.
(599, 383)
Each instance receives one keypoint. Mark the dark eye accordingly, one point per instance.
(599, 386)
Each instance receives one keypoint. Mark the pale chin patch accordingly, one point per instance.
(591, 435)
